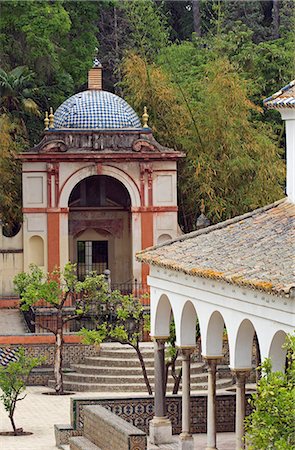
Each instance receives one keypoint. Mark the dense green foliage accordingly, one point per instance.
(13, 379)
(271, 425)
(164, 54)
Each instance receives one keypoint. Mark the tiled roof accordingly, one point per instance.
(255, 250)
(285, 98)
(95, 109)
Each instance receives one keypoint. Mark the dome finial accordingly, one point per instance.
(51, 118)
(46, 121)
(145, 118)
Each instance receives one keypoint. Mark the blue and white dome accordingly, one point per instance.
(95, 109)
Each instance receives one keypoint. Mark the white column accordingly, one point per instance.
(211, 404)
(186, 440)
(241, 376)
(160, 425)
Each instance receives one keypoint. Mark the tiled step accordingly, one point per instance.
(81, 443)
(123, 379)
(122, 370)
(134, 387)
(117, 362)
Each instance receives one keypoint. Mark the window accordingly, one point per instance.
(92, 256)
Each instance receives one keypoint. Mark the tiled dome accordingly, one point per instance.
(95, 109)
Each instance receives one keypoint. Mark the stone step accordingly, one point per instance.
(136, 387)
(122, 370)
(123, 379)
(81, 443)
(117, 362)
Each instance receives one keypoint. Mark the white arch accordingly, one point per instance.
(213, 340)
(89, 171)
(242, 345)
(276, 352)
(160, 320)
(188, 324)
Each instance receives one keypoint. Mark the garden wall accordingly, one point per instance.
(43, 345)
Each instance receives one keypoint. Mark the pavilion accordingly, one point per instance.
(238, 275)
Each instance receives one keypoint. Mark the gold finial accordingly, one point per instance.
(46, 121)
(202, 208)
(145, 118)
(51, 118)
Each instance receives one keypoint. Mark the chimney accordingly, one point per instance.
(284, 102)
(95, 76)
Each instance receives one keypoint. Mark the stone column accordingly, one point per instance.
(241, 376)
(211, 404)
(160, 425)
(186, 440)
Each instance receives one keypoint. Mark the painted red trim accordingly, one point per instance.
(45, 210)
(34, 171)
(53, 224)
(12, 303)
(147, 240)
(38, 339)
(56, 185)
(147, 209)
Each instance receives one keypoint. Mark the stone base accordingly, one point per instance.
(211, 448)
(160, 431)
(186, 442)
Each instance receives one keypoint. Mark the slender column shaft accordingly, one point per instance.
(186, 373)
(211, 405)
(240, 408)
(160, 400)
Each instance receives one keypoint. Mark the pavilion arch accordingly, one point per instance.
(160, 320)
(276, 352)
(213, 340)
(187, 327)
(241, 354)
(88, 171)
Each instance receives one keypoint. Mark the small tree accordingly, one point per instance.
(120, 318)
(271, 425)
(13, 379)
(56, 289)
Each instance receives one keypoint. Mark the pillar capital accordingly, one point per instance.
(186, 352)
(241, 376)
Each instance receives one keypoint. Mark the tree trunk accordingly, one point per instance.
(11, 413)
(146, 380)
(59, 341)
(177, 381)
(276, 18)
(197, 17)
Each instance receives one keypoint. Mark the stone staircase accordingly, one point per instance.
(117, 369)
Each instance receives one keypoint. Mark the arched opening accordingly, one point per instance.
(277, 353)
(189, 329)
(243, 346)
(100, 228)
(36, 251)
(213, 345)
(160, 323)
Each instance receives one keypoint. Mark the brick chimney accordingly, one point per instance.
(284, 102)
(95, 76)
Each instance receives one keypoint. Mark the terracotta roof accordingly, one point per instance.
(285, 98)
(256, 250)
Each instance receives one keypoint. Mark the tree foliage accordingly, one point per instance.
(13, 379)
(68, 297)
(271, 425)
